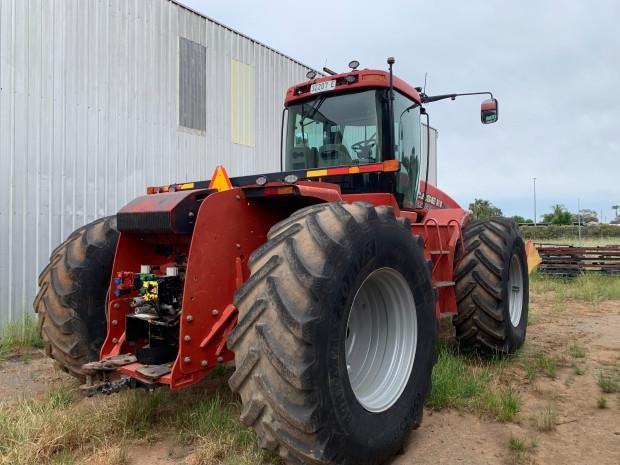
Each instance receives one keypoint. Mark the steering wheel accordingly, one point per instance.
(363, 148)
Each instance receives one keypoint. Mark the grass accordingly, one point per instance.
(517, 446)
(546, 420)
(521, 450)
(576, 351)
(609, 382)
(472, 384)
(601, 402)
(535, 362)
(585, 242)
(19, 335)
(65, 428)
(589, 287)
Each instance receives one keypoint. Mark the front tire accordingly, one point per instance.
(492, 287)
(326, 274)
(71, 302)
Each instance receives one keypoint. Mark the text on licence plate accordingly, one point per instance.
(322, 86)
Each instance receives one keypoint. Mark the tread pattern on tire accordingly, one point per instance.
(277, 311)
(72, 291)
(480, 322)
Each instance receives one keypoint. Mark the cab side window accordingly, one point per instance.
(407, 147)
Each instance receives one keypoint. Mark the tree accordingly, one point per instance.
(616, 208)
(559, 215)
(482, 209)
(586, 215)
(520, 219)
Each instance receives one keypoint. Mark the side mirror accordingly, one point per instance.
(488, 111)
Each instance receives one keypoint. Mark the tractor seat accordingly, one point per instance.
(334, 155)
(303, 157)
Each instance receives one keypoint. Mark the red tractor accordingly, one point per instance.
(323, 282)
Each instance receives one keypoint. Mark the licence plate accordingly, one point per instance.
(322, 86)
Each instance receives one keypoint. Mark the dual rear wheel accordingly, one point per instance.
(492, 287)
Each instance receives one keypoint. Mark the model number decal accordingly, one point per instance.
(430, 200)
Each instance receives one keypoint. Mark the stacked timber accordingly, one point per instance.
(570, 261)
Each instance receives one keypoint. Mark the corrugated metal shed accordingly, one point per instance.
(101, 98)
(89, 116)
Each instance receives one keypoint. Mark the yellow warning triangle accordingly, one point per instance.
(220, 180)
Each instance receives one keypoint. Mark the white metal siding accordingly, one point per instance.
(89, 117)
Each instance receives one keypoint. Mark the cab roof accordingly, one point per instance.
(362, 79)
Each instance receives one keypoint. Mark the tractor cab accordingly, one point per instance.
(359, 118)
(346, 119)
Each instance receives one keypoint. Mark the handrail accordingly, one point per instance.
(460, 230)
(426, 222)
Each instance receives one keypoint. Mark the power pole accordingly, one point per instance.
(535, 218)
(579, 220)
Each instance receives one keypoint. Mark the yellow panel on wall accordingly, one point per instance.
(242, 103)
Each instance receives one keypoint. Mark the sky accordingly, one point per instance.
(554, 66)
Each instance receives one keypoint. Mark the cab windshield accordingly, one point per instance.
(335, 130)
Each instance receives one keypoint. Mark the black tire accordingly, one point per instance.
(482, 287)
(71, 302)
(291, 372)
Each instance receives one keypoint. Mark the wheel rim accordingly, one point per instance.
(382, 334)
(515, 288)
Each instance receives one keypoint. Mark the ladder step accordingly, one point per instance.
(440, 252)
(443, 283)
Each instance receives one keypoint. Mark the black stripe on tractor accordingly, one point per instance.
(360, 183)
(349, 183)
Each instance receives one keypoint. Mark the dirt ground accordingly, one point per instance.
(581, 432)
(584, 434)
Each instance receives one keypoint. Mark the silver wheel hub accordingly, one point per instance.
(515, 291)
(382, 334)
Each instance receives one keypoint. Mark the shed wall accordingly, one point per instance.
(89, 116)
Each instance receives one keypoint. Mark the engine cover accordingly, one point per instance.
(170, 212)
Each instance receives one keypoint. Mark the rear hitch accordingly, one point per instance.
(107, 387)
(102, 377)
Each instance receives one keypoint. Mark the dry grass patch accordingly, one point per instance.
(546, 420)
(592, 287)
(66, 428)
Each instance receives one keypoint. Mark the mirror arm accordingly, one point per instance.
(433, 98)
